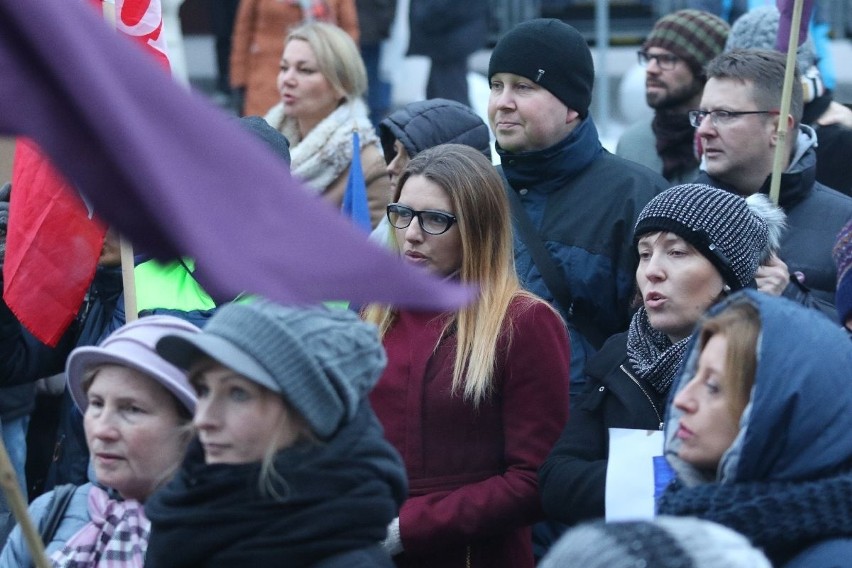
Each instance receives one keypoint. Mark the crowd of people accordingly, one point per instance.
(655, 289)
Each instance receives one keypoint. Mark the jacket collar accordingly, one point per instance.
(551, 169)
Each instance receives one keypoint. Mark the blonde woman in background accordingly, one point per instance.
(321, 83)
(260, 28)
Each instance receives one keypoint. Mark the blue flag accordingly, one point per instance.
(355, 199)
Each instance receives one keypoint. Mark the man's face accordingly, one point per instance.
(669, 89)
(526, 117)
(740, 152)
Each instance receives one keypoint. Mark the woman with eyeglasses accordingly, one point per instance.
(474, 399)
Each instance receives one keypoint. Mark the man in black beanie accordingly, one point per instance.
(581, 200)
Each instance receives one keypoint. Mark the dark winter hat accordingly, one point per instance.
(322, 362)
(276, 141)
(552, 54)
(718, 223)
(693, 35)
(673, 542)
(133, 345)
(842, 253)
(424, 124)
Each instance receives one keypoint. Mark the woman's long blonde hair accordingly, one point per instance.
(482, 211)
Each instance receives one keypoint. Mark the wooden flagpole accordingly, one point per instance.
(786, 96)
(127, 264)
(18, 504)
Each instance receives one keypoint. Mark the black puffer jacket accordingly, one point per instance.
(424, 124)
(572, 480)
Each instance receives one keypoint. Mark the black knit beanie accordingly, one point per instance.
(720, 224)
(551, 53)
(693, 35)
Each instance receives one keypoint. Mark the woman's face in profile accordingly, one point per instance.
(708, 426)
(305, 92)
(238, 420)
(677, 283)
(442, 254)
(134, 431)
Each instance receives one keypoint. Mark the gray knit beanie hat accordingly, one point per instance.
(322, 362)
(552, 54)
(673, 542)
(758, 28)
(724, 227)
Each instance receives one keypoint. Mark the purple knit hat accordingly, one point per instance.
(842, 253)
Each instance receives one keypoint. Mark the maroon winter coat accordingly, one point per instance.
(472, 471)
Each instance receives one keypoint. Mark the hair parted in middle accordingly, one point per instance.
(338, 58)
(764, 69)
(481, 207)
(739, 323)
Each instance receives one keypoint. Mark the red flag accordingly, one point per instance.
(53, 245)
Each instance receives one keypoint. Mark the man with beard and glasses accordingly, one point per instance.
(674, 56)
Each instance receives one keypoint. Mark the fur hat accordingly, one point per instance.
(842, 253)
(552, 54)
(133, 345)
(693, 35)
(322, 362)
(735, 234)
(674, 542)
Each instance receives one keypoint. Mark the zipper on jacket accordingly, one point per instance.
(467, 556)
(641, 388)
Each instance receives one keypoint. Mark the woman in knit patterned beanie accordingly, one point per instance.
(695, 244)
(757, 430)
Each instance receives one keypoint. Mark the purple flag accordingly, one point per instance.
(785, 7)
(177, 176)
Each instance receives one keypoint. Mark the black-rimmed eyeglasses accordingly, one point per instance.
(433, 222)
(665, 61)
(722, 117)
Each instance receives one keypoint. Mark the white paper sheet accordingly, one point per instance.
(630, 473)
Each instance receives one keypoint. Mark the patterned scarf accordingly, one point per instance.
(652, 354)
(116, 537)
(675, 143)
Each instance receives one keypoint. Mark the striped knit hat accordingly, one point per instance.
(673, 542)
(842, 253)
(721, 225)
(693, 35)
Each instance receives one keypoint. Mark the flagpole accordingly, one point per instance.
(126, 248)
(786, 96)
(12, 490)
